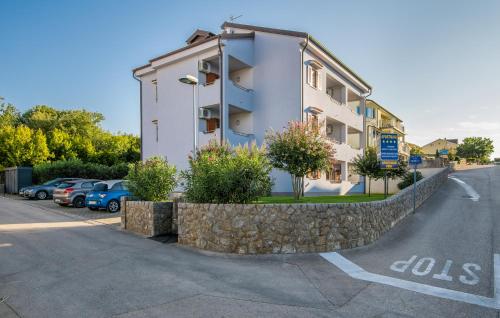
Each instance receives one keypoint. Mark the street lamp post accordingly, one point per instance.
(193, 81)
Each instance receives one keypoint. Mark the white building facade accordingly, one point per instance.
(251, 80)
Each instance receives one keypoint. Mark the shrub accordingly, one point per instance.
(220, 174)
(75, 168)
(408, 179)
(152, 180)
(300, 148)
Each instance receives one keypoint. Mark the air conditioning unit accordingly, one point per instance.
(204, 67)
(329, 129)
(204, 113)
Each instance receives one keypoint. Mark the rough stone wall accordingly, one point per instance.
(291, 228)
(148, 218)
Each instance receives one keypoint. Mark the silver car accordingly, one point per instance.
(43, 191)
(73, 192)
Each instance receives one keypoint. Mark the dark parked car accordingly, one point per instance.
(106, 195)
(43, 191)
(73, 192)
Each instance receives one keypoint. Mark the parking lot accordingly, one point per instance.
(83, 213)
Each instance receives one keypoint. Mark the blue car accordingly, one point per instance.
(106, 195)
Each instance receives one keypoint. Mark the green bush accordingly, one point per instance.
(75, 168)
(221, 174)
(152, 180)
(408, 179)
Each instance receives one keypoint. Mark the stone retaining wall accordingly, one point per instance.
(291, 228)
(149, 218)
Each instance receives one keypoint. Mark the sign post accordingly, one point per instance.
(415, 160)
(389, 155)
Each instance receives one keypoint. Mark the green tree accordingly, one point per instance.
(368, 166)
(152, 180)
(9, 115)
(21, 146)
(476, 149)
(437, 155)
(416, 150)
(61, 145)
(221, 174)
(300, 148)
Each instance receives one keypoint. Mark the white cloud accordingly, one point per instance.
(480, 125)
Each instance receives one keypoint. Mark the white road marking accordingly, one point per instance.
(417, 270)
(444, 273)
(421, 269)
(474, 196)
(357, 272)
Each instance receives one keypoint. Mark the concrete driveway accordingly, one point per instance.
(54, 264)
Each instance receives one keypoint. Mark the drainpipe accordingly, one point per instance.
(221, 104)
(302, 92)
(140, 103)
(365, 127)
(302, 79)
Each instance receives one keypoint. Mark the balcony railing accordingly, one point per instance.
(391, 124)
(240, 96)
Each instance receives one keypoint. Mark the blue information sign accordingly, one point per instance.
(389, 151)
(415, 160)
(443, 152)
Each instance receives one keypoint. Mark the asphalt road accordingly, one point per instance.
(53, 264)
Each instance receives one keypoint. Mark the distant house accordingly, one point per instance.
(442, 145)
(380, 120)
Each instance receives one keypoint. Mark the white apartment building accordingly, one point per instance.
(250, 80)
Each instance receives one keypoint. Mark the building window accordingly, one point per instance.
(314, 175)
(334, 174)
(212, 124)
(313, 76)
(155, 124)
(370, 112)
(155, 88)
(314, 121)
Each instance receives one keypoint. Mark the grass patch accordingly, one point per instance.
(323, 199)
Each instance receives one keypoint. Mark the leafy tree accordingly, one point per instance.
(408, 179)
(416, 150)
(368, 166)
(476, 149)
(437, 155)
(221, 174)
(68, 134)
(9, 115)
(21, 146)
(152, 180)
(61, 145)
(398, 172)
(300, 148)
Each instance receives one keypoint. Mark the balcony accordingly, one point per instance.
(205, 137)
(239, 96)
(391, 124)
(209, 94)
(344, 152)
(236, 138)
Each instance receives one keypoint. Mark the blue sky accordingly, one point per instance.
(433, 63)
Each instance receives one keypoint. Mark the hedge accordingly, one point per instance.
(77, 169)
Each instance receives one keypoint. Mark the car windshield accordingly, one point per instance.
(100, 187)
(65, 185)
(49, 182)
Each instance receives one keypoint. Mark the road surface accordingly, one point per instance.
(53, 264)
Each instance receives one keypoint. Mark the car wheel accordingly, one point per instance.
(41, 195)
(79, 202)
(93, 208)
(113, 206)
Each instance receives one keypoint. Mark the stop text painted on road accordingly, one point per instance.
(425, 265)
